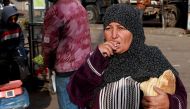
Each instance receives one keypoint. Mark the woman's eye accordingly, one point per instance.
(122, 28)
(107, 28)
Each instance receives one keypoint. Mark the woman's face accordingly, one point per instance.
(120, 35)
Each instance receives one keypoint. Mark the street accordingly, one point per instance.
(172, 41)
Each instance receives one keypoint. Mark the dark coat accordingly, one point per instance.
(11, 46)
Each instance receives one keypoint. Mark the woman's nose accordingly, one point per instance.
(114, 33)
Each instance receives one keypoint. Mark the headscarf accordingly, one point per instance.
(9, 11)
(140, 61)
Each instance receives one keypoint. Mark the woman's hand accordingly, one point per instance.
(161, 101)
(108, 48)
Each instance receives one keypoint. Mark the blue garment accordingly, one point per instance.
(18, 102)
(62, 95)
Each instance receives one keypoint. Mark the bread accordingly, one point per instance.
(166, 82)
(147, 86)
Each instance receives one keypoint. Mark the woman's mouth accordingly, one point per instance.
(117, 44)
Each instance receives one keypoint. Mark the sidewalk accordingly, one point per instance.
(165, 31)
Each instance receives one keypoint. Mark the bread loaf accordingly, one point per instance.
(166, 82)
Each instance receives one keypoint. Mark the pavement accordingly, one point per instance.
(174, 43)
(170, 31)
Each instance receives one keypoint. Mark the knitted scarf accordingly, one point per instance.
(141, 61)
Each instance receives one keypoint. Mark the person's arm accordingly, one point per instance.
(86, 79)
(21, 36)
(167, 101)
(179, 99)
(20, 48)
(51, 31)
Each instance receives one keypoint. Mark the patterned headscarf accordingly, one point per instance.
(141, 61)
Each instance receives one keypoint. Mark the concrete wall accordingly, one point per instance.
(22, 5)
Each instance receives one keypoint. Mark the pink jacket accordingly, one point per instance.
(66, 38)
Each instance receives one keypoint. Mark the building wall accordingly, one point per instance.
(21, 5)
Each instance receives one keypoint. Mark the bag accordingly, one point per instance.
(23, 67)
(4, 67)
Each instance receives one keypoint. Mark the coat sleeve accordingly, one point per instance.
(86, 79)
(21, 36)
(51, 33)
(179, 99)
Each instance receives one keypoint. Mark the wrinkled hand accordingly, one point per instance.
(161, 101)
(108, 48)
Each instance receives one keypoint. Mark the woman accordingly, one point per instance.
(111, 76)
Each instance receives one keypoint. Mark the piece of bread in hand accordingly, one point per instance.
(147, 87)
(166, 82)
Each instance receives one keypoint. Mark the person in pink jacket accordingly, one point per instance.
(66, 43)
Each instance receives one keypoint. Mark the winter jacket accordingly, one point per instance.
(11, 36)
(11, 45)
(66, 38)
